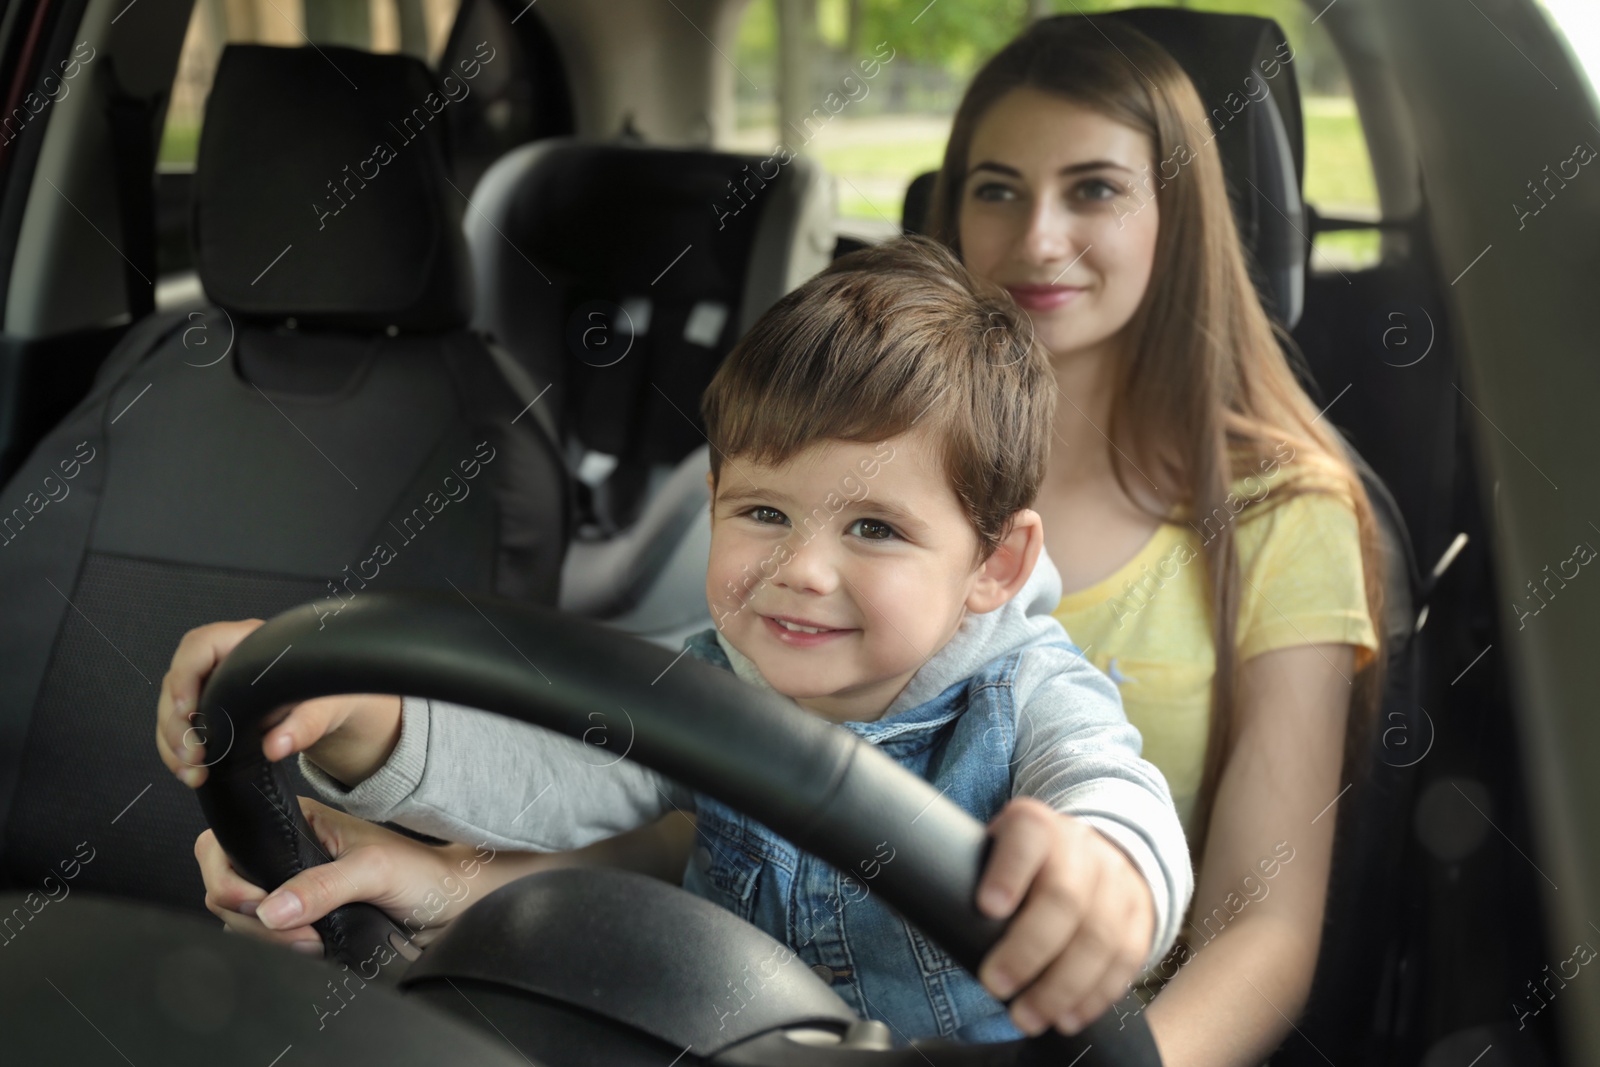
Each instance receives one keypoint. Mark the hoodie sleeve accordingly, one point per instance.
(468, 775)
(1076, 751)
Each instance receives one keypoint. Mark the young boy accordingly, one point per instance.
(876, 440)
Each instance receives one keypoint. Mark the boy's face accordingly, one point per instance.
(867, 542)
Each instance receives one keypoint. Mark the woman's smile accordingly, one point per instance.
(1044, 297)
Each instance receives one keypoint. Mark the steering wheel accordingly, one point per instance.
(536, 948)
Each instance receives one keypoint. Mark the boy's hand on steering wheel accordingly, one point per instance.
(348, 736)
(425, 886)
(1085, 923)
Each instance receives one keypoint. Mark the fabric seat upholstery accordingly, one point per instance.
(328, 424)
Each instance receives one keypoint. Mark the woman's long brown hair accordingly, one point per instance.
(1205, 391)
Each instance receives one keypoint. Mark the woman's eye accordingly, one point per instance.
(872, 529)
(993, 192)
(767, 516)
(1097, 189)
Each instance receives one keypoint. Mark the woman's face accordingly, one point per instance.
(1059, 206)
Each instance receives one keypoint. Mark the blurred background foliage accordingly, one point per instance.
(957, 35)
(892, 130)
(897, 130)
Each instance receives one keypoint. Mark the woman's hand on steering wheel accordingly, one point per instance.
(423, 886)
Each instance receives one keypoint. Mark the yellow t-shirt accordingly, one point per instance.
(1147, 624)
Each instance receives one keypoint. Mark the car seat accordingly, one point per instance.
(621, 275)
(328, 424)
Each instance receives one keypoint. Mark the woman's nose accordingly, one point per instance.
(1048, 238)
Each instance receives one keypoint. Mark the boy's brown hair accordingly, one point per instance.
(884, 339)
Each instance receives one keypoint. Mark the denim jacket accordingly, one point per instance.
(881, 965)
(1009, 707)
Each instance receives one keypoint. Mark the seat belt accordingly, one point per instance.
(133, 149)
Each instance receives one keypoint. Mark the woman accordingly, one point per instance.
(1219, 556)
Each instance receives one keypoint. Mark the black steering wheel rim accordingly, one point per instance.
(820, 787)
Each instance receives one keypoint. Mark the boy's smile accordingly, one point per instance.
(803, 633)
(840, 572)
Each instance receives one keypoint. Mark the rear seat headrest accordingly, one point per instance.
(1243, 68)
(320, 191)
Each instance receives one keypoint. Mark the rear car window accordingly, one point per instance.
(883, 129)
(419, 27)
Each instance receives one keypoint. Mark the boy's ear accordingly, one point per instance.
(1005, 572)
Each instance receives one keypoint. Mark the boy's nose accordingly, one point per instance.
(809, 569)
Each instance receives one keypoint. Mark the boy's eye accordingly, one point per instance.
(767, 516)
(872, 529)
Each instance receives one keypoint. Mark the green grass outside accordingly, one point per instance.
(865, 170)
(180, 143)
(897, 159)
(1338, 172)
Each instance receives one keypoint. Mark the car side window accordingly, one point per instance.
(876, 94)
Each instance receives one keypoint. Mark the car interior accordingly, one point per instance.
(482, 387)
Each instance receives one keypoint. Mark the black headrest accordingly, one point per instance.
(919, 201)
(1243, 69)
(320, 191)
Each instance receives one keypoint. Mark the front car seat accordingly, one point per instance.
(622, 274)
(327, 425)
